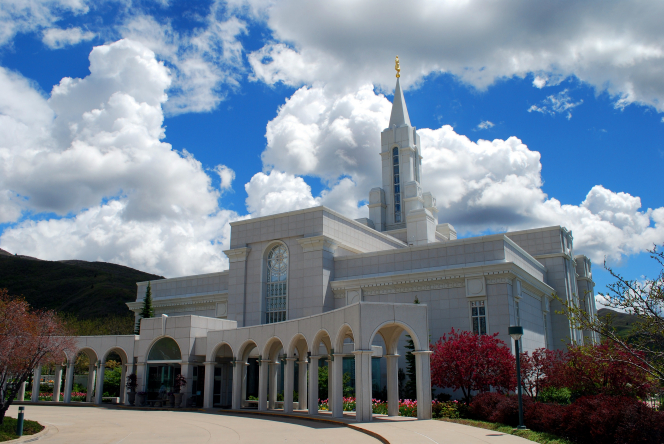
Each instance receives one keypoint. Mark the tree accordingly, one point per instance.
(645, 299)
(470, 362)
(544, 368)
(410, 387)
(147, 311)
(28, 338)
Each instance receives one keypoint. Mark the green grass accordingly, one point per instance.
(540, 437)
(8, 428)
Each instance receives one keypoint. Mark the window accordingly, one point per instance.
(165, 349)
(546, 332)
(416, 166)
(478, 317)
(277, 284)
(517, 312)
(397, 185)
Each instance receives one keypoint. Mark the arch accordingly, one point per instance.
(319, 338)
(245, 349)
(275, 283)
(390, 343)
(296, 343)
(90, 352)
(270, 351)
(344, 332)
(216, 350)
(120, 351)
(168, 350)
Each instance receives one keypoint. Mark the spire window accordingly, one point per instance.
(277, 284)
(397, 185)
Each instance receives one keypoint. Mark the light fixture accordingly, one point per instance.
(515, 331)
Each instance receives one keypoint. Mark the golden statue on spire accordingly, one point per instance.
(397, 67)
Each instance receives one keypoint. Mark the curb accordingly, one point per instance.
(30, 438)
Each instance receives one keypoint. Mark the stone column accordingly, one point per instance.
(36, 383)
(302, 385)
(423, 382)
(69, 381)
(313, 385)
(263, 371)
(186, 370)
(336, 385)
(273, 386)
(92, 373)
(123, 384)
(141, 376)
(208, 386)
(239, 384)
(363, 408)
(392, 385)
(57, 383)
(99, 394)
(126, 390)
(21, 392)
(289, 382)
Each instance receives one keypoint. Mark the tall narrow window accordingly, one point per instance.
(546, 333)
(416, 166)
(517, 312)
(277, 284)
(478, 317)
(397, 185)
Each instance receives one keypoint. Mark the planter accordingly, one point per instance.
(178, 400)
(132, 398)
(140, 400)
(171, 400)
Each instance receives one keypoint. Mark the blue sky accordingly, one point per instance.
(189, 115)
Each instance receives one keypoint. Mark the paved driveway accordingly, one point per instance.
(127, 426)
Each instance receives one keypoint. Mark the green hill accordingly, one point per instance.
(86, 290)
(622, 322)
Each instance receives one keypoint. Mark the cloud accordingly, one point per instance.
(560, 103)
(205, 63)
(617, 48)
(479, 185)
(56, 38)
(92, 154)
(485, 124)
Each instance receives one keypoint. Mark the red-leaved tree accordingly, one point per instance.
(28, 338)
(544, 368)
(605, 369)
(472, 363)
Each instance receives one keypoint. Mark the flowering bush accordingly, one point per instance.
(591, 419)
(447, 409)
(48, 396)
(472, 363)
(407, 407)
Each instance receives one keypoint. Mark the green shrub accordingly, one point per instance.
(555, 395)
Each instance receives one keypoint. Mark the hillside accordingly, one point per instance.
(622, 322)
(87, 290)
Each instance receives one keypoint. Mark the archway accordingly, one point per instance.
(111, 376)
(83, 379)
(342, 372)
(295, 375)
(164, 364)
(271, 385)
(319, 359)
(414, 383)
(222, 376)
(246, 377)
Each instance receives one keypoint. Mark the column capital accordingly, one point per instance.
(303, 362)
(393, 356)
(316, 357)
(237, 254)
(210, 362)
(292, 359)
(422, 352)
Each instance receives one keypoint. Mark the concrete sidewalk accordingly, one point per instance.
(130, 425)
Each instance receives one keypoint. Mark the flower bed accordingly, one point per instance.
(48, 396)
(407, 407)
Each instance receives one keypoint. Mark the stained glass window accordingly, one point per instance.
(277, 284)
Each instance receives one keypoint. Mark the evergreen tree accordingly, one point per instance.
(410, 387)
(147, 311)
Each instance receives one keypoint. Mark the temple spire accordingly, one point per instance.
(399, 116)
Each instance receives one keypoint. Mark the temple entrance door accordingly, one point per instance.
(223, 385)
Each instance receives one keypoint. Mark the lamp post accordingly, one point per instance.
(516, 331)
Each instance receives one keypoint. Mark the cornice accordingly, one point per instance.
(182, 301)
(237, 254)
(551, 255)
(322, 242)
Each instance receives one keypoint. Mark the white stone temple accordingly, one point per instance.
(310, 287)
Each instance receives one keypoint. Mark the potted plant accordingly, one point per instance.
(132, 383)
(140, 398)
(179, 383)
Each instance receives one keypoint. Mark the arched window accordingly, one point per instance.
(277, 284)
(165, 349)
(397, 185)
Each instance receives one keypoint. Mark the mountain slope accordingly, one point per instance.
(85, 289)
(622, 322)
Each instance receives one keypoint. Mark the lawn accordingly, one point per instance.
(540, 437)
(8, 428)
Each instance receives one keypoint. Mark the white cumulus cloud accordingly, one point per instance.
(56, 38)
(92, 153)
